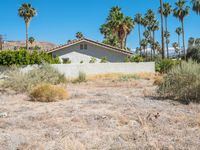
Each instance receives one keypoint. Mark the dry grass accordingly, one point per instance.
(48, 93)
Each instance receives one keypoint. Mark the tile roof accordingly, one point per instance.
(73, 42)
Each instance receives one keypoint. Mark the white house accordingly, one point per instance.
(84, 50)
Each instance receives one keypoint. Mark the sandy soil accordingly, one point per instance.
(100, 115)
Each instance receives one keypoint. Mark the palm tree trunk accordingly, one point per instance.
(26, 36)
(179, 54)
(154, 43)
(183, 36)
(162, 29)
(139, 38)
(166, 28)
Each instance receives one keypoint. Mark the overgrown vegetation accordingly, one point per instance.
(24, 81)
(104, 60)
(93, 60)
(182, 82)
(128, 77)
(163, 66)
(194, 49)
(24, 57)
(48, 93)
(135, 58)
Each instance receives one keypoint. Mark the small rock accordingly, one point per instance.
(3, 114)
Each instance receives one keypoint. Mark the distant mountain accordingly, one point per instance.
(17, 44)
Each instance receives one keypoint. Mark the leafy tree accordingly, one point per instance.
(79, 35)
(27, 12)
(196, 6)
(180, 12)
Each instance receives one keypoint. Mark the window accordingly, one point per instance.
(83, 46)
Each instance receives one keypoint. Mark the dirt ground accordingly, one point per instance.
(100, 115)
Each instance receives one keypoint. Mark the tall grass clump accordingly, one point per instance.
(22, 80)
(48, 93)
(182, 82)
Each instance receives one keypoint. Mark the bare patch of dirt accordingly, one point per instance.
(103, 114)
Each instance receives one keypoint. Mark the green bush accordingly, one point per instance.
(163, 66)
(24, 57)
(23, 81)
(135, 58)
(93, 60)
(104, 60)
(194, 53)
(182, 82)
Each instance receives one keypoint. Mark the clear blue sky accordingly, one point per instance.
(58, 20)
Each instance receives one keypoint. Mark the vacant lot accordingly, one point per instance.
(100, 115)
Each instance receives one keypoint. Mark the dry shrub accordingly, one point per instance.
(108, 76)
(24, 81)
(48, 93)
(182, 83)
(158, 80)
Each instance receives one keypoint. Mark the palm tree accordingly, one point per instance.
(167, 35)
(79, 35)
(167, 10)
(154, 26)
(176, 48)
(196, 6)
(31, 40)
(138, 20)
(144, 44)
(179, 32)
(27, 12)
(191, 41)
(180, 12)
(162, 29)
(117, 25)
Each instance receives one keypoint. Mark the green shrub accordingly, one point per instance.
(24, 57)
(67, 61)
(163, 66)
(48, 93)
(81, 78)
(194, 53)
(135, 58)
(23, 81)
(104, 60)
(93, 60)
(81, 62)
(182, 82)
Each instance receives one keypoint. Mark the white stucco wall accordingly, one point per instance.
(76, 55)
(72, 70)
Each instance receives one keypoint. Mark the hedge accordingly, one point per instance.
(24, 57)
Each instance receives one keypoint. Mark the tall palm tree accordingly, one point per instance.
(196, 6)
(144, 44)
(27, 12)
(154, 26)
(31, 40)
(180, 12)
(162, 29)
(179, 32)
(138, 20)
(167, 35)
(79, 35)
(167, 10)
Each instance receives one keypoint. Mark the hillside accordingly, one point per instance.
(18, 44)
